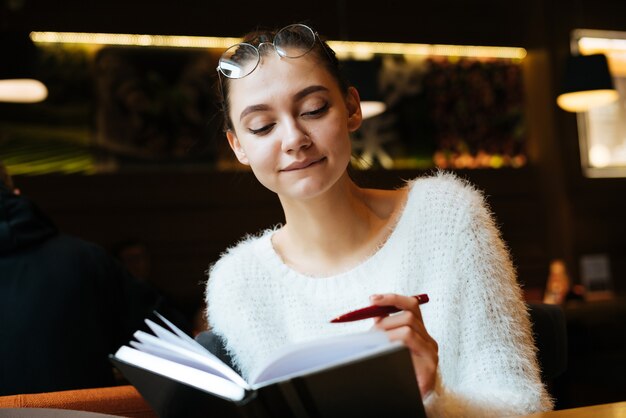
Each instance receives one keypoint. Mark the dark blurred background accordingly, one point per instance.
(187, 214)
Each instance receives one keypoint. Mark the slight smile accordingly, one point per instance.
(301, 165)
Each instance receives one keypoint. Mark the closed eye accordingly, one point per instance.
(317, 112)
(262, 130)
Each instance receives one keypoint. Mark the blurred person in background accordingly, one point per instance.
(65, 304)
(134, 255)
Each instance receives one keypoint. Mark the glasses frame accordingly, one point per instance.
(257, 49)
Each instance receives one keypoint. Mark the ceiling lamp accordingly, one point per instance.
(587, 83)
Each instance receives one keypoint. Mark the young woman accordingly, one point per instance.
(288, 115)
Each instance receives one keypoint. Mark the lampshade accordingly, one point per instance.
(18, 59)
(364, 76)
(587, 83)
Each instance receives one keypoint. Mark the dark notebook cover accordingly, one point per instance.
(377, 386)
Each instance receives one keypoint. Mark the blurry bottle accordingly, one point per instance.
(558, 283)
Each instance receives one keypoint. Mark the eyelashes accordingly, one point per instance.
(319, 111)
(261, 130)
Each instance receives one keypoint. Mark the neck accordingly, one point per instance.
(332, 232)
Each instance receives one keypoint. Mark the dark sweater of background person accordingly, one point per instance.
(65, 304)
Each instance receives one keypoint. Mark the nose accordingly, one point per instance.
(295, 137)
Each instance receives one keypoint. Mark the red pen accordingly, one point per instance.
(374, 311)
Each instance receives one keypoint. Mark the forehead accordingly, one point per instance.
(278, 78)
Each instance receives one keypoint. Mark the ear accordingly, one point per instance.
(235, 145)
(353, 104)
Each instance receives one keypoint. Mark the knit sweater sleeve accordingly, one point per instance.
(496, 371)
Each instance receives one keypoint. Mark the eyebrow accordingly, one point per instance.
(253, 108)
(308, 90)
(298, 96)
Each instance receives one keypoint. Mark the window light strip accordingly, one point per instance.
(341, 47)
(602, 44)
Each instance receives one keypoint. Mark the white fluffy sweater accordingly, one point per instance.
(445, 243)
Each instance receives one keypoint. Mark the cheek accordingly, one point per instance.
(336, 135)
(261, 154)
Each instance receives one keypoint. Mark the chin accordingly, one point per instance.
(310, 188)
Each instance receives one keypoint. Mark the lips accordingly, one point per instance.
(300, 165)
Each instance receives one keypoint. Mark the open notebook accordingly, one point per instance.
(297, 378)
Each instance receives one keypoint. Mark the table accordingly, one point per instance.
(49, 413)
(609, 410)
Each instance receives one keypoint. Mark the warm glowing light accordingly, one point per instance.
(588, 45)
(342, 48)
(23, 90)
(599, 156)
(132, 40)
(350, 49)
(370, 109)
(581, 101)
(480, 160)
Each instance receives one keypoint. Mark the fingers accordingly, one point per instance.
(419, 343)
(405, 323)
(405, 303)
(404, 318)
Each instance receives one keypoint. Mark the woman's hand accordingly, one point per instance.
(408, 327)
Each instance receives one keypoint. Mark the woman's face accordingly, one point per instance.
(291, 125)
